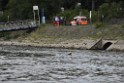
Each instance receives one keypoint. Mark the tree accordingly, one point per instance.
(19, 9)
(3, 4)
(23, 9)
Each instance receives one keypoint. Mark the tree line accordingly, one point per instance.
(23, 9)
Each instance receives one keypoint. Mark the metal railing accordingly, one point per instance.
(17, 25)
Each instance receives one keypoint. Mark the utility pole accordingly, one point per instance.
(42, 11)
(93, 7)
(79, 6)
(93, 4)
(90, 17)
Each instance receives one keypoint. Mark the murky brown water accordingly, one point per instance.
(42, 65)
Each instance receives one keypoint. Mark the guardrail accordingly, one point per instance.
(17, 25)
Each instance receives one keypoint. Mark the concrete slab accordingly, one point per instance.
(118, 46)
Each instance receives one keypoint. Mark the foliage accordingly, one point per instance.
(22, 9)
(99, 25)
(72, 32)
(122, 26)
(109, 11)
(13, 35)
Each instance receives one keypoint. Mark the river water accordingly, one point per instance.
(19, 64)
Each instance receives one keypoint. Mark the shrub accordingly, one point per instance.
(122, 26)
(99, 25)
(69, 14)
(109, 11)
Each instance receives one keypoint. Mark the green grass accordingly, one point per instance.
(95, 31)
(77, 32)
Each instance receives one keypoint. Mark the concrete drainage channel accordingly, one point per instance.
(106, 45)
(102, 44)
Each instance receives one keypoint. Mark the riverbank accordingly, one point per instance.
(83, 44)
(69, 37)
(53, 43)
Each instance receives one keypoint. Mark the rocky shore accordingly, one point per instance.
(84, 44)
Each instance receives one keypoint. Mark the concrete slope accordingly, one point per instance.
(118, 46)
(97, 45)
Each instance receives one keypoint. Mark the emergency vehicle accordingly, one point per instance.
(79, 20)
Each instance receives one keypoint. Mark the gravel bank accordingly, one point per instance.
(83, 44)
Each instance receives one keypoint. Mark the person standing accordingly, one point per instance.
(61, 20)
(43, 19)
(57, 20)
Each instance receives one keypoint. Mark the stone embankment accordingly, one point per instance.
(84, 44)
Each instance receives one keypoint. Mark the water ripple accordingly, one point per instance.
(43, 65)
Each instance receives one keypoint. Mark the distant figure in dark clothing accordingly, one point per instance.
(61, 20)
(64, 21)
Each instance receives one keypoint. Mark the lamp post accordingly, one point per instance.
(62, 9)
(79, 5)
(93, 4)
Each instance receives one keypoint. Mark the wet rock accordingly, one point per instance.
(69, 53)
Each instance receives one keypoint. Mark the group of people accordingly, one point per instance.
(59, 20)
